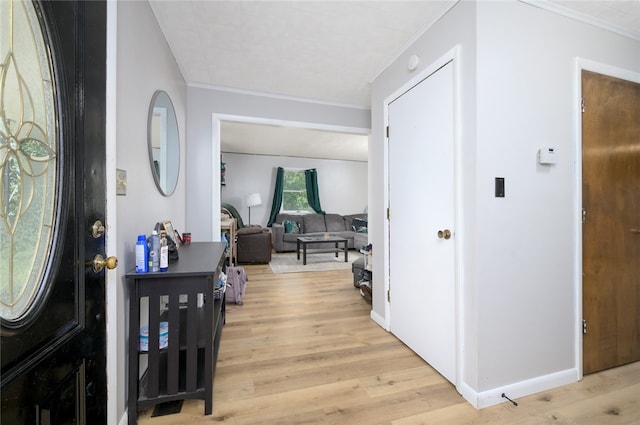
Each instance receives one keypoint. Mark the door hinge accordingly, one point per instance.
(581, 105)
(388, 213)
(387, 132)
(584, 327)
(584, 216)
(389, 295)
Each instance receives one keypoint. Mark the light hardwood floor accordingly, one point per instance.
(303, 350)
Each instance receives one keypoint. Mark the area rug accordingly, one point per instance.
(287, 262)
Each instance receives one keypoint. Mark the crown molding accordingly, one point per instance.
(582, 17)
(275, 96)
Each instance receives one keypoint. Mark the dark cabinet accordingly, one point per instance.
(178, 362)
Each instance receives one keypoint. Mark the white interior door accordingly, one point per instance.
(421, 200)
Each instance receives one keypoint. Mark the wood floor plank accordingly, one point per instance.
(384, 384)
(302, 349)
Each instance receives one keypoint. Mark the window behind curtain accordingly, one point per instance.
(294, 192)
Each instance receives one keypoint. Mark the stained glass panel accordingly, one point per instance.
(28, 159)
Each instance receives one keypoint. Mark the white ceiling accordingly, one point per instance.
(320, 50)
(264, 139)
(327, 51)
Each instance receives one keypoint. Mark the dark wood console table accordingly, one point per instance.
(184, 298)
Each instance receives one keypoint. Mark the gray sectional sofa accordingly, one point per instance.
(284, 233)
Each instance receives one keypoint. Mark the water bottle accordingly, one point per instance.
(164, 252)
(223, 238)
(154, 252)
(142, 255)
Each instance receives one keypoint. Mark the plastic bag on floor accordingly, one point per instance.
(236, 284)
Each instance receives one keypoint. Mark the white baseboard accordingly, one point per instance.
(468, 394)
(379, 320)
(483, 399)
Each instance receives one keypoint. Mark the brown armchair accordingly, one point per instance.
(254, 245)
(253, 242)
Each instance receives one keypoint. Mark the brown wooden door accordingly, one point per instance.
(52, 189)
(611, 229)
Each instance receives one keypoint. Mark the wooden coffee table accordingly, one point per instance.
(304, 242)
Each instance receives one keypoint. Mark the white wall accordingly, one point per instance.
(342, 184)
(144, 65)
(207, 106)
(520, 259)
(526, 269)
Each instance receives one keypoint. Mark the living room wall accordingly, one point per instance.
(342, 184)
(207, 106)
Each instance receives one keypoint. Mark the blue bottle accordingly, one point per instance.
(223, 238)
(154, 252)
(142, 255)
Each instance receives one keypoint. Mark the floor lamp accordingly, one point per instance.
(253, 200)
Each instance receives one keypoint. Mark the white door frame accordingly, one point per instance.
(115, 383)
(452, 55)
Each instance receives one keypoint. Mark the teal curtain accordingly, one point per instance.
(277, 196)
(313, 197)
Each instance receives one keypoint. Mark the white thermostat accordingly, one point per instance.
(547, 156)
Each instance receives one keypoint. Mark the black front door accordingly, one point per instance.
(52, 191)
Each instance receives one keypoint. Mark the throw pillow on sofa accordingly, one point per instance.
(291, 226)
(359, 225)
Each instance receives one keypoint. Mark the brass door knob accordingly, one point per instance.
(444, 234)
(99, 263)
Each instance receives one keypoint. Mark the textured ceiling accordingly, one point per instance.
(622, 16)
(326, 51)
(320, 50)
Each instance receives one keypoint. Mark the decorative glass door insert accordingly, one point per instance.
(28, 161)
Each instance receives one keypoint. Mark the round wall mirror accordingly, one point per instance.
(164, 142)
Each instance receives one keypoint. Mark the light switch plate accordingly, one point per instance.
(499, 187)
(121, 182)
